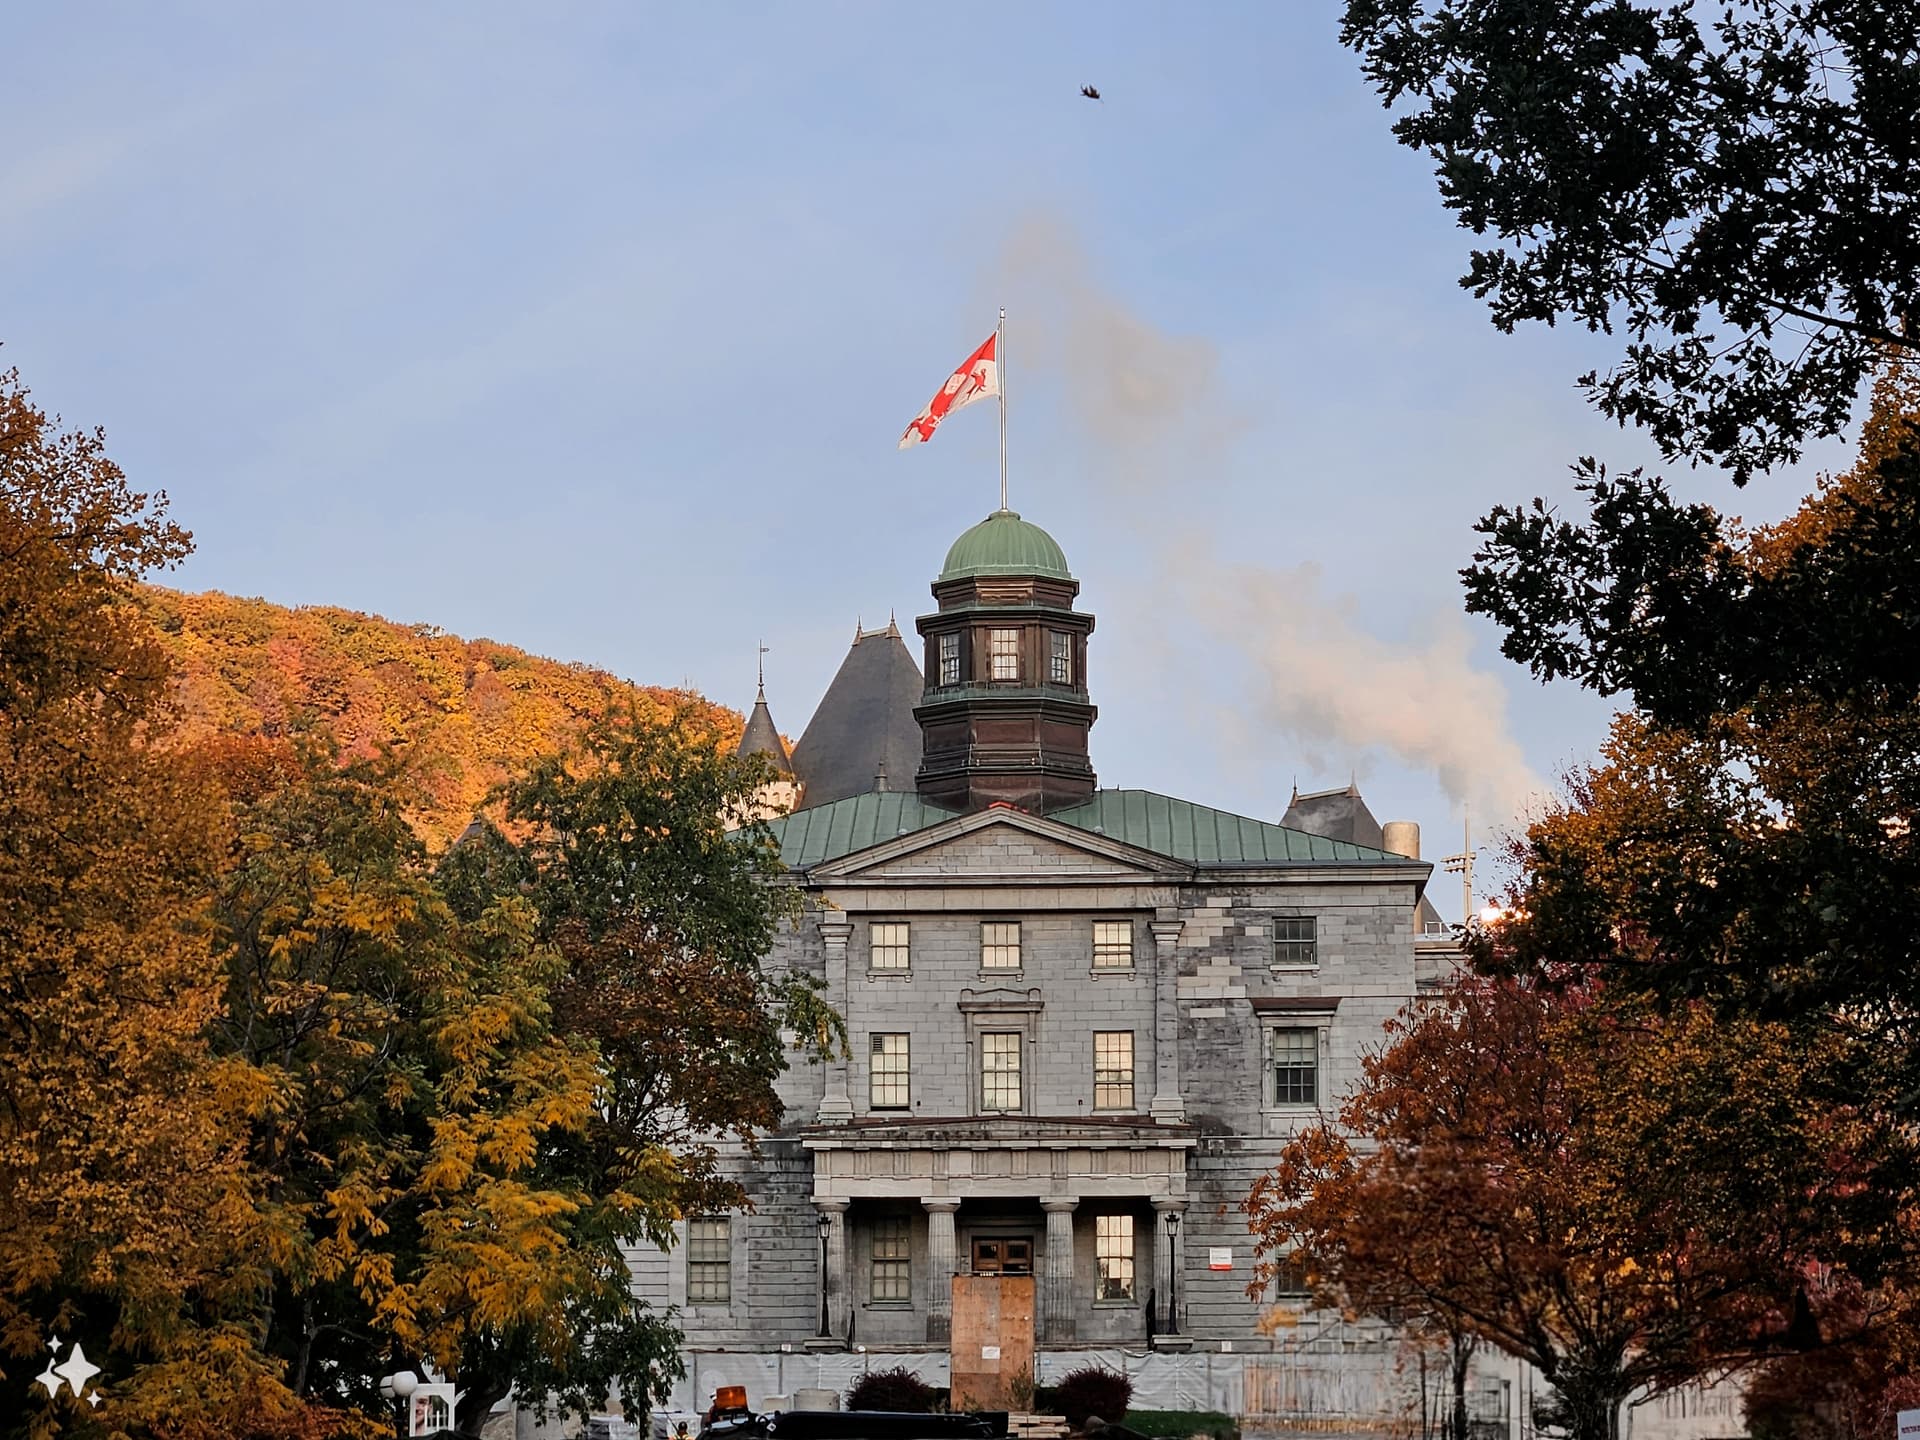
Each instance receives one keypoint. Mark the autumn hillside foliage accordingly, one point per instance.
(463, 715)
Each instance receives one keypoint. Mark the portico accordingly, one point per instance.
(1075, 1202)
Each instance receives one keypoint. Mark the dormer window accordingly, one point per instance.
(1003, 655)
(1060, 657)
(950, 659)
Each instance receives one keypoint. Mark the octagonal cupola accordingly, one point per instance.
(1004, 715)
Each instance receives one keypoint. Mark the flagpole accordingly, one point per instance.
(1000, 369)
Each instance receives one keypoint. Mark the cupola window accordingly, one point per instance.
(1003, 654)
(950, 659)
(1060, 657)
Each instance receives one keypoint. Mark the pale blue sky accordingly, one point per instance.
(591, 328)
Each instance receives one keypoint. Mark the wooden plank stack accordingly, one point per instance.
(1037, 1427)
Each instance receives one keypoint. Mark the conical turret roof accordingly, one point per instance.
(762, 737)
(865, 725)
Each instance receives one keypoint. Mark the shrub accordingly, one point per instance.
(1183, 1423)
(896, 1389)
(1094, 1390)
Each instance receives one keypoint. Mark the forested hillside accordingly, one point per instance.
(464, 713)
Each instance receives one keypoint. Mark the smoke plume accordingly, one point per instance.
(1151, 407)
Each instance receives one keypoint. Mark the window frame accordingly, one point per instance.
(990, 946)
(1113, 946)
(1060, 666)
(1116, 1243)
(947, 651)
(903, 1075)
(891, 1271)
(1003, 644)
(1015, 1047)
(703, 1243)
(1122, 1090)
(1292, 952)
(1270, 1061)
(903, 945)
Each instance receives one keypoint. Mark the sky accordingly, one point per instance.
(592, 328)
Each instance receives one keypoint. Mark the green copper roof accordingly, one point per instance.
(1177, 829)
(1004, 544)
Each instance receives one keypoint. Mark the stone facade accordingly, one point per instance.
(1082, 1177)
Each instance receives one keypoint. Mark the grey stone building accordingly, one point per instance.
(1082, 1021)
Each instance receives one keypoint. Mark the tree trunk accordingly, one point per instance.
(1462, 1357)
(483, 1393)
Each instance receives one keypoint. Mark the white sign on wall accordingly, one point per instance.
(1909, 1423)
(1220, 1257)
(989, 1352)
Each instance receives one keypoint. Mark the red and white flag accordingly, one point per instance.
(978, 378)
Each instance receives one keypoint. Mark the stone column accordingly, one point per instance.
(1057, 1303)
(941, 1267)
(1168, 1105)
(1173, 1269)
(836, 1105)
(833, 1283)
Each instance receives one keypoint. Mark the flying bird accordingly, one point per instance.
(1089, 92)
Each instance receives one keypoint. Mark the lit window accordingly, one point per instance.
(892, 1263)
(1112, 945)
(887, 1072)
(1000, 945)
(1296, 1066)
(950, 659)
(1113, 1069)
(1113, 1249)
(1294, 947)
(1060, 657)
(709, 1262)
(1003, 654)
(887, 946)
(1000, 1070)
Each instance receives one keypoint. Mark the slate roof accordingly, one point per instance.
(864, 723)
(1338, 814)
(762, 737)
(1177, 829)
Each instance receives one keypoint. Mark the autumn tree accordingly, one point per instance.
(419, 1141)
(127, 1209)
(661, 897)
(1730, 188)
(1532, 1167)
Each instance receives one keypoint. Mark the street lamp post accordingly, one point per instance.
(826, 1223)
(400, 1387)
(1173, 1272)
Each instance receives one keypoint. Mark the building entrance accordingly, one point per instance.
(1003, 1255)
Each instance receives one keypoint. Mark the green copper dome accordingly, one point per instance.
(1004, 544)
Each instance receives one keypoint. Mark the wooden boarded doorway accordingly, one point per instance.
(993, 1342)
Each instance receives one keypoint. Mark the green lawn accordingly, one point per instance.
(1183, 1423)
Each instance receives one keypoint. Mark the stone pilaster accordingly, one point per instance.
(1168, 1104)
(942, 1263)
(836, 1105)
(1057, 1299)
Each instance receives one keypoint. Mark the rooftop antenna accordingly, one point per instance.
(763, 669)
(1462, 865)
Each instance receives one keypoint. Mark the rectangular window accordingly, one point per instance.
(1113, 1250)
(888, 1071)
(1060, 657)
(1000, 945)
(1113, 1070)
(950, 659)
(1003, 654)
(1290, 1275)
(1294, 947)
(1113, 944)
(709, 1261)
(1000, 1070)
(887, 946)
(892, 1262)
(1296, 1066)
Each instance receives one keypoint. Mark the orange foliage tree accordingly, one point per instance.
(1626, 1201)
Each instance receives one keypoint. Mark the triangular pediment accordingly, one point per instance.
(1002, 844)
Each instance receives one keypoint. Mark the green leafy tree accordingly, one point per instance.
(1731, 187)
